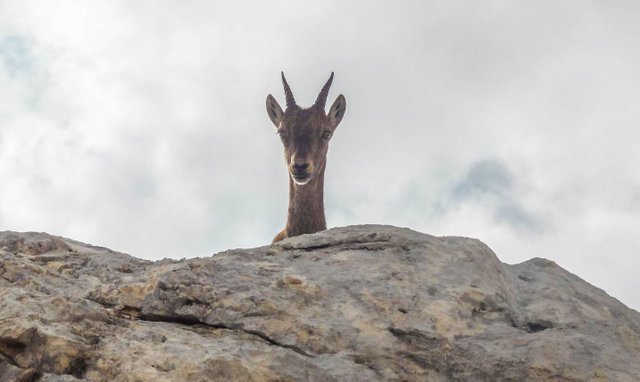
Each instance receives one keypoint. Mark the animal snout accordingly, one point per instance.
(301, 172)
(301, 168)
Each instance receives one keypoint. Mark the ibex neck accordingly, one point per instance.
(306, 206)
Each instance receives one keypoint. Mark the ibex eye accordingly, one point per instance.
(326, 134)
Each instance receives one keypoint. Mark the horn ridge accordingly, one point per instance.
(321, 101)
(287, 92)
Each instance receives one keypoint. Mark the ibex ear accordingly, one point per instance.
(274, 110)
(337, 110)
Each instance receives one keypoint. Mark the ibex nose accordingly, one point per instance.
(300, 167)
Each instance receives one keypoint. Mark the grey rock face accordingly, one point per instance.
(359, 303)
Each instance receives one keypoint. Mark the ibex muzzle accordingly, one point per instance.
(301, 168)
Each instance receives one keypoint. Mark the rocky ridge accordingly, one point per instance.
(360, 303)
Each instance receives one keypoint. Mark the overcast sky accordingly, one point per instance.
(141, 125)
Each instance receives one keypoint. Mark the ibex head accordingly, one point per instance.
(305, 133)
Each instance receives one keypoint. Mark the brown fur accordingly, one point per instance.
(305, 135)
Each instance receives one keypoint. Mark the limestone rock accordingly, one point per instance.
(358, 303)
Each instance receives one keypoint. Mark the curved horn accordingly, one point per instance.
(287, 92)
(322, 97)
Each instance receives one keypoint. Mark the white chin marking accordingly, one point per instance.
(300, 182)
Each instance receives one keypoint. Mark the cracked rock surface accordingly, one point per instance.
(359, 303)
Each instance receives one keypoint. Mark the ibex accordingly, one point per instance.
(305, 134)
